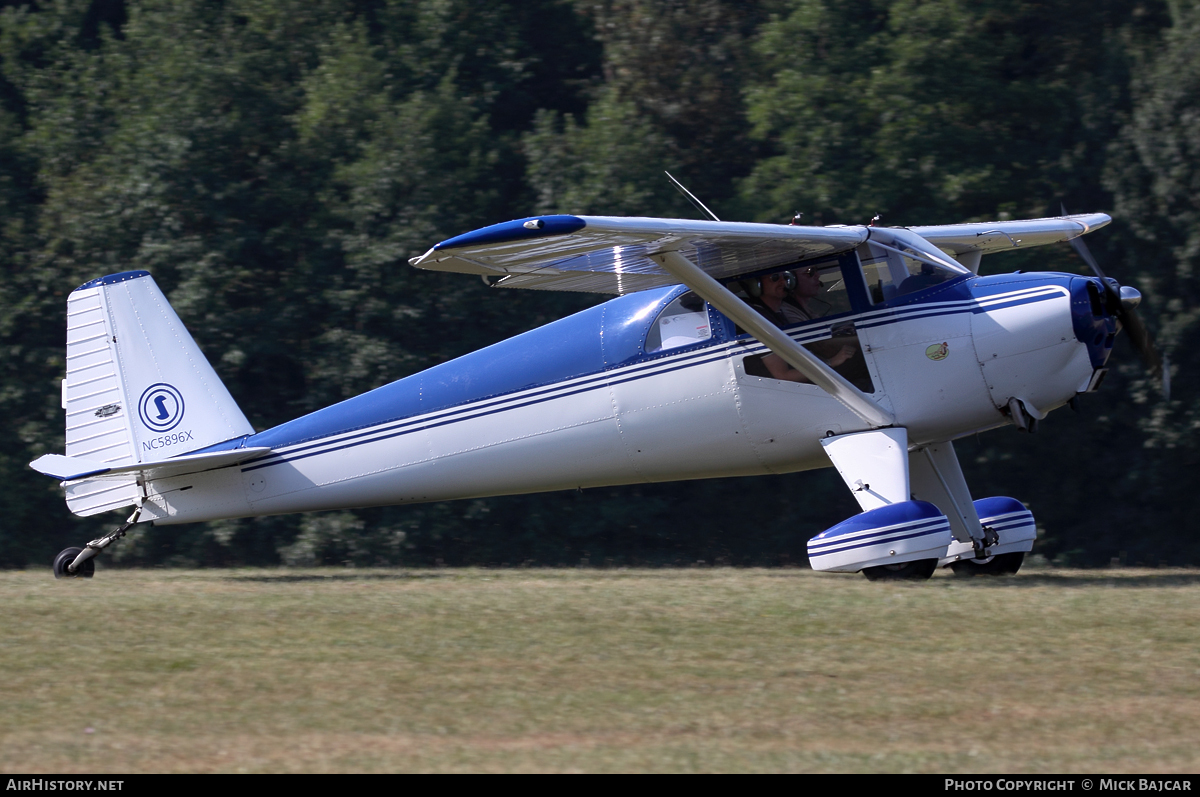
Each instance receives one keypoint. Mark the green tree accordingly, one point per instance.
(940, 111)
(273, 164)
(1154, 175)
(674, 75)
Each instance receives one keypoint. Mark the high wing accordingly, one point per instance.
(605, 254)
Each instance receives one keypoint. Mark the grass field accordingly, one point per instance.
(598, 670)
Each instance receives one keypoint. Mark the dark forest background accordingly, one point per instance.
(275, 162)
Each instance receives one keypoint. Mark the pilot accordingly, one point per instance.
(796, 307)
(771, 290)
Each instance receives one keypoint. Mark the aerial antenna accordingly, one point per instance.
(691, 197)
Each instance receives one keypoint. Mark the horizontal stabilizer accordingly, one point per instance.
(71, 468)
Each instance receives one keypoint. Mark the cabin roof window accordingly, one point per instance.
(681, 323)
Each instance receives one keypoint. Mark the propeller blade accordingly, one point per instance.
(1081, 249)
(1141, 340)
(1110, 293)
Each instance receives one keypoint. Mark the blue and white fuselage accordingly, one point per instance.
(580, 403)
(655, 385)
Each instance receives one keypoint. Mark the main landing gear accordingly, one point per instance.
(78, 562)
(1004, 564)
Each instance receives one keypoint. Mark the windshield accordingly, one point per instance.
(899, 262)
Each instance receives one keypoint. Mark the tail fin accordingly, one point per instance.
(138, 387)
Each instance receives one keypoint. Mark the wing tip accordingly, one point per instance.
(515, 230)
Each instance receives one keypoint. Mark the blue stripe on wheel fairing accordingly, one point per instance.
(649, 366)
(1006, 526)
(1015, 518)
(879, 535)
(944, 528)
(1023, 515)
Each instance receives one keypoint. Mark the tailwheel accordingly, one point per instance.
(63, 561)
(78, 562)
(919, 570)
(1004, 564)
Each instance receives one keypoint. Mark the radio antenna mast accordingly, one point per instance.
(691, 197)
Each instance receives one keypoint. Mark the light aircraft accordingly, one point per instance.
(901, 348)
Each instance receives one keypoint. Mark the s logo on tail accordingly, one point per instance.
(161, 407)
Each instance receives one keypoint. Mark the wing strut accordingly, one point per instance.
(774, 339)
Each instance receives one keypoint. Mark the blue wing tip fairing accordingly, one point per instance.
(517, 230)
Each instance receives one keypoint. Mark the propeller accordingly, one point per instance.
(1122, 302)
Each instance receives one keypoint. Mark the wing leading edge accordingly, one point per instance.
(607, 254)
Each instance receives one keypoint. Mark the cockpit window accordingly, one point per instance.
(822, 297)
(899, 262)
(683, 322)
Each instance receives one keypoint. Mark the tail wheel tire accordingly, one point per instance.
(1004, 564)
(64, 559)
(919, 570)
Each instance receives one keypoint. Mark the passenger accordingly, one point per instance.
(771, 304)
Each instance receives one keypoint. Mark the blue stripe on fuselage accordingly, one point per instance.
(582, 350)
(592, 341)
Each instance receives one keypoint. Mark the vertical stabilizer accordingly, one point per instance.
(137, 388)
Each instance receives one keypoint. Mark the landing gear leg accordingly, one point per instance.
(77, 562)
(990, 538)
